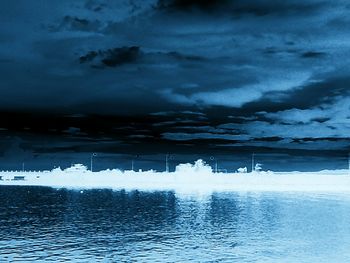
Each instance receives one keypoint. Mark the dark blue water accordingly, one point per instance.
(39, 224)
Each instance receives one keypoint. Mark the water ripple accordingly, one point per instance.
(40, 224)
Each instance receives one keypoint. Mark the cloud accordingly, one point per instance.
(336, 112)
(250, 63)
(289, 144)
(328, 120)
(188, 5)
(240, 7)
(260, 129)
(70, 23)
(237, 97)
(313, 54)
(181, 136)
(113, 57)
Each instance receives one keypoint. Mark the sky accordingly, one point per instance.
(196, 77)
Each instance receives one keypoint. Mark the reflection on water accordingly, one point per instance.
(44, 224)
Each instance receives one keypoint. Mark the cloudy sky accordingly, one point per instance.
(184, 76)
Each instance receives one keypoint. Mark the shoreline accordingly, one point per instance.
(185, 181)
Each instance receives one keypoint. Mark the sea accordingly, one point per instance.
(42, 224)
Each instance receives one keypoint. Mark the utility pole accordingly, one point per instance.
(23, 167)
(91, 157)
(132, 165)
(253, 167)
(167, 163)
(216, 166)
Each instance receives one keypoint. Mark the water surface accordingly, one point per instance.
(39, 224)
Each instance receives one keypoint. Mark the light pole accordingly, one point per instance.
(167, 162)
(253, 156)
(91, 158)
(134, 157)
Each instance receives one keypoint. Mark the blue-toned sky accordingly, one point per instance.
(174, 75)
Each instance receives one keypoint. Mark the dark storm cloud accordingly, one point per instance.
(180, 56)
(187, 5)
(70, 23)
(251, 70)
(238, 7)
(313, 54)
(113, 57)
(327, 89)
(125, 55)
